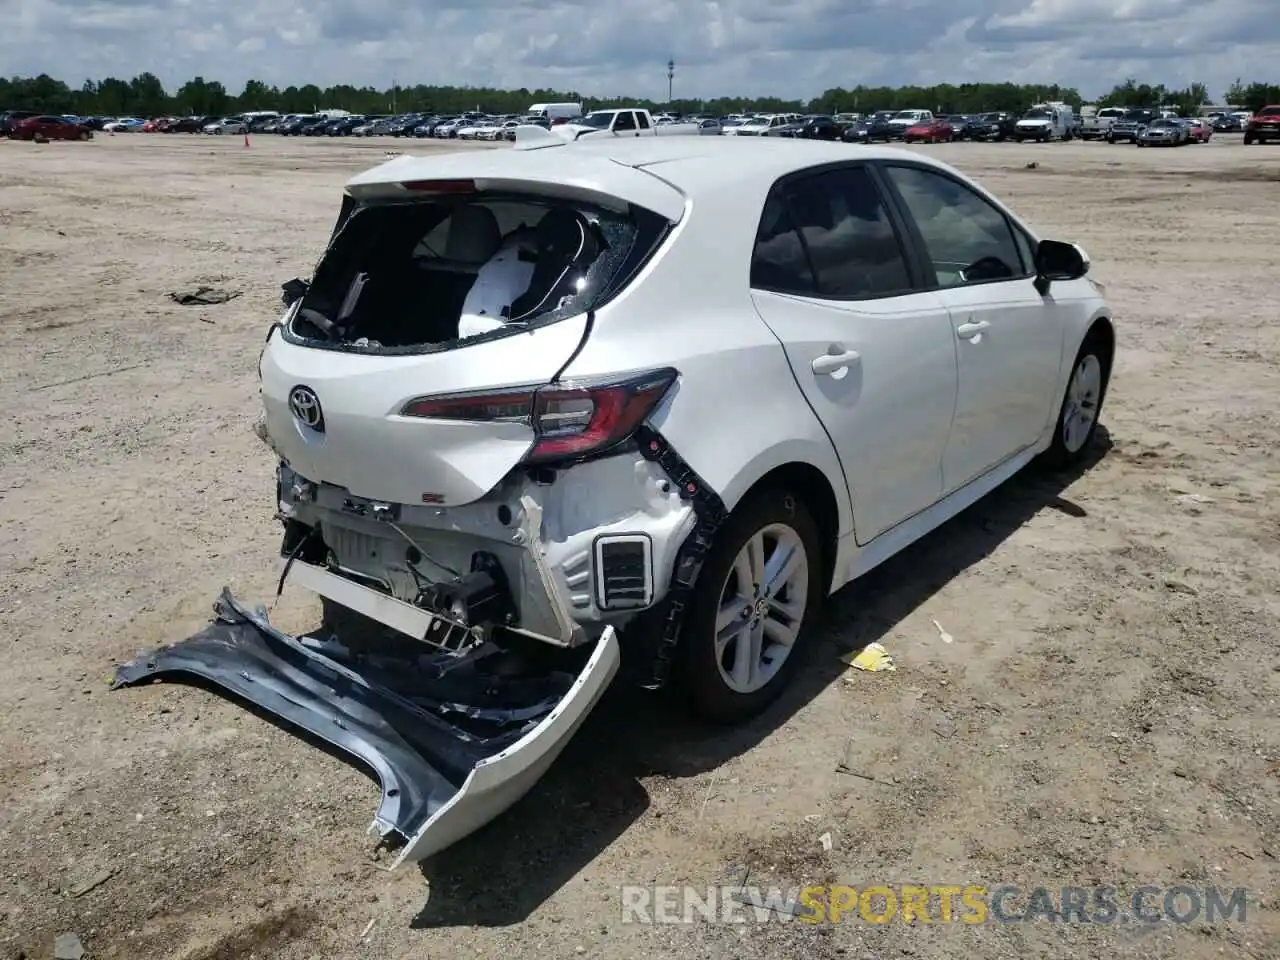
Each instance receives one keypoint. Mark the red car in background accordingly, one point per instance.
(1201, 130)
(930, 131)
(49, 128)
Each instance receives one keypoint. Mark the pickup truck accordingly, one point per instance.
(623, 122)
(1129, 127)
(1263, 126)
(1097, 126)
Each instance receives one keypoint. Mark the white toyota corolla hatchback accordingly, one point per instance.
(546, 409)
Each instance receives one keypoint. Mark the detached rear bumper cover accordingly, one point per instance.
(440, 782)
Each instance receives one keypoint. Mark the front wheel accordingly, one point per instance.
(1082, 404)
(755, 600)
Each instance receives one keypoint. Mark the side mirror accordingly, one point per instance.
(1056, 260)
(293, 291)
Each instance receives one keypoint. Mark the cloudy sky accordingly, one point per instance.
(792, 48)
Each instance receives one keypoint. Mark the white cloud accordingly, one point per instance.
(792, 48)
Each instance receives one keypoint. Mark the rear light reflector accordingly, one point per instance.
(569, 420)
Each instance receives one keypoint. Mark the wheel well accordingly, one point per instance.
(809, 484)
(1105, 336)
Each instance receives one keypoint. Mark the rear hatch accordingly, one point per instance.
(403, 373)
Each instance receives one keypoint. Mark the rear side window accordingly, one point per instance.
(966, 238)
(829, 235)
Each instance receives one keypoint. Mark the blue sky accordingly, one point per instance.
(792, 48)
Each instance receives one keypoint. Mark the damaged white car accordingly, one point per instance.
(542, 410)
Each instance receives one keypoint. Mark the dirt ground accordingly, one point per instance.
(1106, 713)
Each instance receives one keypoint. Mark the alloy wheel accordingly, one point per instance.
(762, 606)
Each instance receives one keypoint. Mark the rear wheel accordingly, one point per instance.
(753, 605)
(83, 135)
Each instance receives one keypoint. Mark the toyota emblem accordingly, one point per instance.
(306, 407)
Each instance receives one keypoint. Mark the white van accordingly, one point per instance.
(1045, 122)
(555, 112)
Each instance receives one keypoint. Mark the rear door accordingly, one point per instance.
(1009, 338)
(872, 352)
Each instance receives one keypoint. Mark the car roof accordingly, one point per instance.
(682, 167)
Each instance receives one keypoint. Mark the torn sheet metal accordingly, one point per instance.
(452, 744)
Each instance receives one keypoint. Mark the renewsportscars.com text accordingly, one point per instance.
(937, 903)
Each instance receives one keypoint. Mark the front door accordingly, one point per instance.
(872, 353)
(1008, 337)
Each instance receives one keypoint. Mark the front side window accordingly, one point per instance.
(626, 121)
(829, 235)
(965, 238)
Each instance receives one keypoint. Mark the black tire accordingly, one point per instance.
(1061, 454)
(698, 674)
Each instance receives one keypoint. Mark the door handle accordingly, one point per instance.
(829, 363)
(969, 331)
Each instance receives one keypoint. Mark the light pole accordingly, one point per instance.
(671, 76)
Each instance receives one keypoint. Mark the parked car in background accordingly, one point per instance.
(875, 128)
(343, 126)
(226, 125)
(293, 126)
(10, 118)
(373, 127)
(1263, 126)
(1126, 129)
(316, 127)
(962, 125)
(404, 126)
(1163, 132)
(124, 125)
(821, 128)
(183, 125)
(44, 127)
(994, 127)
(901, 121)
(1201, 130)
(710, 127)
(1096, 126)
(1045, 122)
(933, 130)
(717, 399)
(756, 126)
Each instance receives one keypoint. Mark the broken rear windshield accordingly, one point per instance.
(421, 276)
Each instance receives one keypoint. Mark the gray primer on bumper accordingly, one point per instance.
(440, 779)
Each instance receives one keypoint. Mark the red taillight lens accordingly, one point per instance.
(569, 421)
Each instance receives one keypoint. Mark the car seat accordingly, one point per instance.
(565, 248)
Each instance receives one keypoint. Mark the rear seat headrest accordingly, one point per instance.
(474, 236)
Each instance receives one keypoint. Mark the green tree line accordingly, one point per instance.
(146, 96)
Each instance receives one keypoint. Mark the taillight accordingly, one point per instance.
(569, 420)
